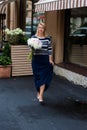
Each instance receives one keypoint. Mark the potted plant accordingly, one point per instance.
(5, 63)
(16, 36)
(19, 52)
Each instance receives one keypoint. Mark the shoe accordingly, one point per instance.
(37, 95)
(41, 102)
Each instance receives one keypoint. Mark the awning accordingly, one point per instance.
(5, 1)
(50, 5)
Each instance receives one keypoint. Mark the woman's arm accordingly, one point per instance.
(51, 60)
(50, 52)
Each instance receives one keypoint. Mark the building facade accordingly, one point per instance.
(67, 24)
(13, 14)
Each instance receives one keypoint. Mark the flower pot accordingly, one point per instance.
(21, 65)
(5, 71)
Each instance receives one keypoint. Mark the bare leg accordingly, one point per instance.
(42, 88)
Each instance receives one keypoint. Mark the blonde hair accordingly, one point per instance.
(44, 26)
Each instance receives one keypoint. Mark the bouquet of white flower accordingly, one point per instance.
(34, 44)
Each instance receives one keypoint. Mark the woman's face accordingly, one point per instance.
(40, 29)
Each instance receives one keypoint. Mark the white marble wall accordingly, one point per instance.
(71, 76)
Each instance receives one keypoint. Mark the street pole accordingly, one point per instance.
(33, 11)
(32, 17)
(22, 14)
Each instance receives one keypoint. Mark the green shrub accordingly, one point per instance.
(7, 50)
(5, 60)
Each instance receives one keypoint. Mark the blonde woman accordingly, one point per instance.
(42, 63)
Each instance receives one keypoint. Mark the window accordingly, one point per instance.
(76, 36)
(32, 19)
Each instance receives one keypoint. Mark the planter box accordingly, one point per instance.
(5, 72)
(21, 65)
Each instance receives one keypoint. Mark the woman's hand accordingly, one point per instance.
(50, 60)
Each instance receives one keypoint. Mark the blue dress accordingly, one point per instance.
(42, 69)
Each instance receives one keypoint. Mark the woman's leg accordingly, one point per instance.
(41, 94)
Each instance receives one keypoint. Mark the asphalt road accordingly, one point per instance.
(65, 105)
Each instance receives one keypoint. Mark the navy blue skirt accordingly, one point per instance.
(42, 71)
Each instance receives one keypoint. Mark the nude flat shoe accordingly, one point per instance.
(41, 102)
(37, 95)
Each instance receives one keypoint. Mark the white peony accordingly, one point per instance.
(16, 31)
(14, 36)
(34, 43)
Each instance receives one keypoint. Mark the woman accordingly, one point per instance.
(42, 63)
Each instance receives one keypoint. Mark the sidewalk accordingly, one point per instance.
(59, 84)
(73, 92)
(65, 105)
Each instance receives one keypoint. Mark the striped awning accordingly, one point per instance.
(3, 2)
(50, 5)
